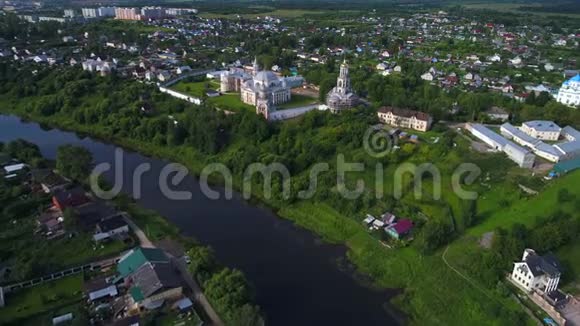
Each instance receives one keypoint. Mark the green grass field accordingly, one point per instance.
(42, 299)
(525, 210)
(514, 8)
(81, 250)
(298, 101)
(196, 89)
(230, 102)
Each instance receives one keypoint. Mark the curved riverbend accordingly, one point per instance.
(296, 276)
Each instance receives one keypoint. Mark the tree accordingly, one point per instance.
(202, 263)
(434, 234)
(74, 162)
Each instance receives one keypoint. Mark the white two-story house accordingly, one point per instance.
(535, 272)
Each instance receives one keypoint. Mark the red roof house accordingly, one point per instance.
(400, 229)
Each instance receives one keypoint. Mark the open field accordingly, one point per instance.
(298, 101)
(196, 89)
(42, 299)
(515, 8)
(526, 210)
(230, 102)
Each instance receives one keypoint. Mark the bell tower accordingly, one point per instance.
(255, 66)
(343, 82)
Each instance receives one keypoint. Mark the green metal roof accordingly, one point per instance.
(567, 166)
(136, 294)
(139, 256)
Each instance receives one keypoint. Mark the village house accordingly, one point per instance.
(49, 181)
(428, 76)
(99, 290)
(542, 129)
(400, 228)
(111, 227)
(90, 214)
(535, 272)
(405, 118)
(150, 277)
(497, 113)
(51, 221)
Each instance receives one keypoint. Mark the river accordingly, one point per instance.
(296, 276)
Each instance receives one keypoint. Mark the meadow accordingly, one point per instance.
(42, 299)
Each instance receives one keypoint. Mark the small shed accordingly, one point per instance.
(368, 220)
(378, 224)
(62, 319)
(14, 168)
(388, 218)
(184, 304)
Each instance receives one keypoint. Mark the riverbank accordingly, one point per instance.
(280, 260)
(424, 278)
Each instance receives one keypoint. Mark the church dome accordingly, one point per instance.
(266, 78)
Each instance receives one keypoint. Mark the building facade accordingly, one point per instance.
(70, 13)
(534, 272)
(342, 97)
(106, 11)
(152, 12)
(262, 89)
(128, 13)
(405, 118)
(89, 12)
(569, 93)
(522, 157)
(542, 129)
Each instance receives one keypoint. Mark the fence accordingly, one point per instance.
(55, 276)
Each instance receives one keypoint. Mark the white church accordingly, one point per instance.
(342, 97)
(569, 93)
(262, 89)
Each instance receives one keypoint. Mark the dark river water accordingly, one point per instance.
(298, 279)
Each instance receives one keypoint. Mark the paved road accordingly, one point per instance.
(199, 297)
(143, 239)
